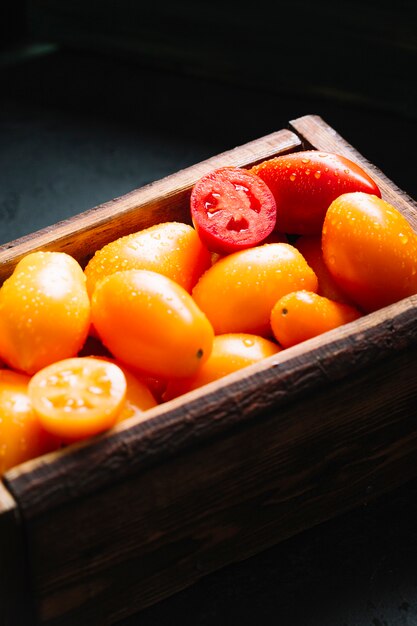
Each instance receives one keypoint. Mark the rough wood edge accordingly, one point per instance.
(15, 600)
(277, 477)
(48, 481)
(122, 215)
(44, 483)
(316, 134)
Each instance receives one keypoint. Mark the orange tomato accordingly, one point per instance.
(231, 352)
(171, 248)
(302, 315)
(79, 397)
(151, 323)
(238, 292)
(44, 311)
(138, 395)
(370, 249)
(21, 434)
(310, 248)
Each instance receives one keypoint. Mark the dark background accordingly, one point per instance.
(98, 98)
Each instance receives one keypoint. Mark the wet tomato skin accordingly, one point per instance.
(238, 292)
(371, 250)
(231, 352)
(169, 248)
(78, 397)
(304, 184)
(44, 311)
(139, 397)
(232, 209)
(311, 249)
(21, 435)
(151, 323)
(301, 315)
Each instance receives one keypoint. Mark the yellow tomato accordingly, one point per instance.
(79, 397)
(138, 395)
(44, 311)
(21, 434)
(231, 352)
(238, 292)
(151, 323)
(301, 315)
(370, 250)
(171, 248)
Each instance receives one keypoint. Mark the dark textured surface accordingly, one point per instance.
(76, 130)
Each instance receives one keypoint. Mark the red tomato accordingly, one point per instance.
(232, 209)
(304, 185)
(370, 250)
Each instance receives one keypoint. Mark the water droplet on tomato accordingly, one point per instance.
(317, 174)
(305, 160)
(308, 171)
(292, 177)
(248, 342)
(403, 238)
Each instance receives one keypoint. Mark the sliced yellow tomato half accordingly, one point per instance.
(79, 397)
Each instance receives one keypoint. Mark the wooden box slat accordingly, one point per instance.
(117, 523)
(162, 200)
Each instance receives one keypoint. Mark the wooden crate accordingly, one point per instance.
(98, 531)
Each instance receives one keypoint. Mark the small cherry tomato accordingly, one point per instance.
(232, 209)
(138, 395)
(151, 323)
(238, 292)
(44, 311)
(302, 315)
(310, 248)
(21, 435)
(370, 249)
(305, 183)
(170, 248)
(79, 397)
(231, 352)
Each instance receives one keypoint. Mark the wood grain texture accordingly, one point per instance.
(315, 133)
(162, 200)
(119, 522)
(168, 525)
(15, 598)
(48, 482)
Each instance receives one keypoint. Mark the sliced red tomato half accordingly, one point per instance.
(232, 209)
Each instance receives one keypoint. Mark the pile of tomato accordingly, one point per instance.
(279, 253)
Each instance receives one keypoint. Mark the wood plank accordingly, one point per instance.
(132, 446)
(15, 598)
(315, 133)
(162, 200)
(119, 522)
(288, 470)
